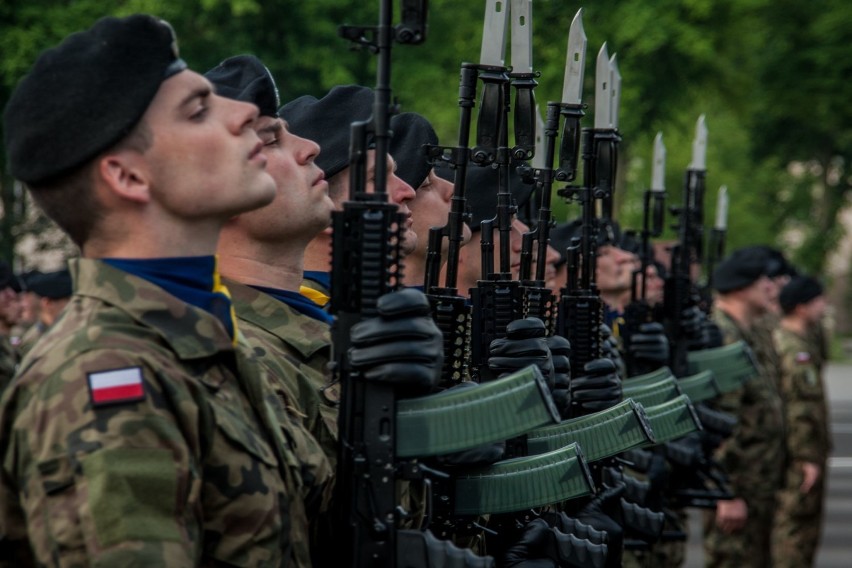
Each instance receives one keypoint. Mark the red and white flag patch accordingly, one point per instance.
(116, 386)
(803, 357)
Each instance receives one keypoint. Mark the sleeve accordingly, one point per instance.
(803, 400)
(104, 471)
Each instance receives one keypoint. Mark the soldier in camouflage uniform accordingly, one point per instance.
(10, 312)
(738, 532)
(140, 430)
(52, 290)
(798, 521)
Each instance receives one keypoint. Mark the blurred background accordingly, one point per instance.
(771, 76)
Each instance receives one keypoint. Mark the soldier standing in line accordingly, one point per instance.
(798, 521)
(52, 290)
(737, 533)
(163, 446)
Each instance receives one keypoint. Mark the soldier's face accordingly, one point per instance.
(206, 160)
(301, 205)
(653, 286)
(614, 269)
(760, 295)
(10, 307)
(814, 310)
(431, 208)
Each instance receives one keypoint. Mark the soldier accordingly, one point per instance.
(798, 522)
(326, 121)
(53, 290)
(163, 447)
(737, 533)
(10, 313)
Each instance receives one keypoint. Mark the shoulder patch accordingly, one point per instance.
(116, 386)
(803, 357)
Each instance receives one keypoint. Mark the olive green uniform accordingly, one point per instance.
(754, 455)
(798, 521)
(195, 466)
(8, 361)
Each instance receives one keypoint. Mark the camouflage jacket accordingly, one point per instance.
(30, 337)
(296, 350)
(754, 455)
(8, 360)
(803, 391)
(138, 433)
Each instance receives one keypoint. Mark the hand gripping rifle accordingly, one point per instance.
(679, 292)
(366, 265)
(537, 298)
(639, 311)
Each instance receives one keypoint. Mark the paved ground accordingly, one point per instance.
(836, 547)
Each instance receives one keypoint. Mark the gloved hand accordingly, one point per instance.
(560, 351)
(712, 334)
(481, 455)
(598, 388)
(610, 350)
(401, 346)
(599, 513)
(528, 552)
(691, 321)
(524, 345)
(648, 348)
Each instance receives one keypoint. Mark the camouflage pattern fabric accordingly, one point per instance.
(754, 456)
(295, 349)
(193, 468)
(798, 520)
(30, 337)
(8, 360)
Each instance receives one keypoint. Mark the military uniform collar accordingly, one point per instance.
(275, 317)
(191, 332)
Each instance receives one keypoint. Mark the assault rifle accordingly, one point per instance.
(639, 311)
(366, 265)
(679, 291)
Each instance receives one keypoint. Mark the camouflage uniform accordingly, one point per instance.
(798, 521)
(192, 470)
(8, 360)
(753, 457)
(30, 337)
(296, 350)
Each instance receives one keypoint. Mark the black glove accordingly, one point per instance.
(599, 513)
(560, 351)
(691, 321)
(598, 388)
(524, 345)
(401, 346)
(649, 348)
(610, 350)
(485, 454)
(712, 334)
(529, 551)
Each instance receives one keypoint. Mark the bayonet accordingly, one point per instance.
(521, 14)
(523, 79)
(699, 146)
(722, 209)
(614, 90)
(603, 104)
(575, 62)
(658, 170)
(493, 48)
(538, 161)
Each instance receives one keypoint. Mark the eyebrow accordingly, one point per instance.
(200, 92)
(274, 128)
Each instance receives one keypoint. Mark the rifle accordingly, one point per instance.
(679, 292)
(537, 298)
(366, 265)
(639, 311)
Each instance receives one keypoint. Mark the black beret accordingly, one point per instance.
(327, 122)
(561, 236)
(85, 95)
(607, 232)
(410, 132)
(481, 183)
(799, 290)
(53, 285)
(8, 278)
(245, 78)
(776, 263)
(740, 270)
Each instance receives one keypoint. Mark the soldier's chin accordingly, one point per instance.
(409, 242)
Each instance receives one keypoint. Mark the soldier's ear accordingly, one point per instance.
(126, 175)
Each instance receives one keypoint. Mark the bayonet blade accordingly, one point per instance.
(521, 14)
(575, 62)
(494, 33)
(722, 209)
(603, 104)
(614, 90)
(699, 146)
(658, 170)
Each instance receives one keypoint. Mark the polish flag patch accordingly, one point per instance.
(116, 386)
